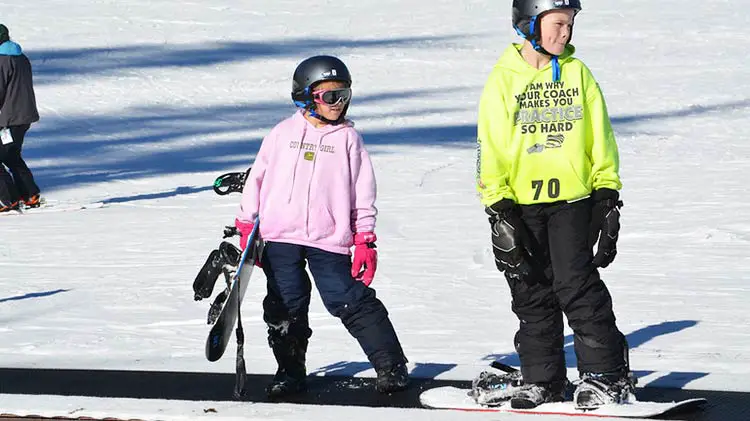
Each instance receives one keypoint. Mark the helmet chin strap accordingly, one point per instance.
(556, 71)
(339, 120)
(310, 107)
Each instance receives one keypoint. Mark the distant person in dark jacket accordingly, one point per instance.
(17, 112)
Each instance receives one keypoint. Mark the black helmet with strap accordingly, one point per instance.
(315, 70)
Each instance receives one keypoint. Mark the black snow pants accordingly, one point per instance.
(564, 281)
(21, 185)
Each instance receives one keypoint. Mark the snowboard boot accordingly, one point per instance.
(290, 377)
(492, 389)
(597, 389)
(391, 378)
(534, 394)
(11, 207)
(32, 202)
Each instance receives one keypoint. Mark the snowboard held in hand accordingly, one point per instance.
(454, 398)
(223, 312)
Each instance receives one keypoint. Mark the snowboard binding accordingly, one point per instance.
(494, 389)
(224, 260)
(231, 182)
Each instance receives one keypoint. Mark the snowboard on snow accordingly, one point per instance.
(454, 398)
(462, 399)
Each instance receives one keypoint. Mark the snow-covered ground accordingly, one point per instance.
(143, 103)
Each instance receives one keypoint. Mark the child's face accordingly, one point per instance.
(331, 112)
(557, 26)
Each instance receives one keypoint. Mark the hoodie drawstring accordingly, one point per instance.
(296, 161)
(556, 72)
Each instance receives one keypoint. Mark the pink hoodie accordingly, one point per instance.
(311, 186)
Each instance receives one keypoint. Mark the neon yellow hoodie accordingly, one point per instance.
(541, 141)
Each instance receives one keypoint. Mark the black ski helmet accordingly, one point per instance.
(313, 70)
(526, 13)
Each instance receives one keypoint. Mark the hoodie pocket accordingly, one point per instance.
(321, 223)
(584, 182)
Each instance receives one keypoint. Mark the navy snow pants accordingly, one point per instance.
(288, 299)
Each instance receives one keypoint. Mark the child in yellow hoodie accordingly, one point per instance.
(547, 173)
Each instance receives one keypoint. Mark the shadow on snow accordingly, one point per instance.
(33, 295)
(52, 66)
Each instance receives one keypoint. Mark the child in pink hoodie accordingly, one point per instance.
(313, 188)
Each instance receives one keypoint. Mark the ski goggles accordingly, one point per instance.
(332, 96)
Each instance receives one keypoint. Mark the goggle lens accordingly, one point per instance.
(333, 96)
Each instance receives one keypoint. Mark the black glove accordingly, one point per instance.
(605, 225)
(510, 240)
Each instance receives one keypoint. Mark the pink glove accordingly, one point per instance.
(365, 256)
(245, 229)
